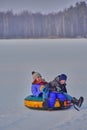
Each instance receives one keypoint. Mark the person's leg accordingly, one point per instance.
(61, 97)
(52, 99)
(74, 100)
(45, 92)
(68, 97)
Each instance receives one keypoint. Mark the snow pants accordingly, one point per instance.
(53, 96)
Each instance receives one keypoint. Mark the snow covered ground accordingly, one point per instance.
(22, 118)
(50, 57)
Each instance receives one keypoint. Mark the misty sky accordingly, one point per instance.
(44, 6)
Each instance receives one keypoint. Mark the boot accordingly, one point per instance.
(62, 104)
(77, 102)
(45, 104)
(81, 99)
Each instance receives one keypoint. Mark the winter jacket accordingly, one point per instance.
(56, 86)
(37, 88)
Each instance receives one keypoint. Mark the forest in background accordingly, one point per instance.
(70, 23)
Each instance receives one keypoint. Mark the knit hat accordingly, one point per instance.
(62, 77)
(35, 75)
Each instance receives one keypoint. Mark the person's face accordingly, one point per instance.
(39, 79)
(62, 81)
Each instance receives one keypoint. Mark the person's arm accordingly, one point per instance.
(53, 84)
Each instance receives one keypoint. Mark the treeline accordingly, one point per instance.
(71, 23)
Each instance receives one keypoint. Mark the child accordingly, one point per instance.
(37, 84)
(57, 89)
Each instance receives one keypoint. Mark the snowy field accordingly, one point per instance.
(49, 57)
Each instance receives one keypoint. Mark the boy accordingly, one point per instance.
(57, 89)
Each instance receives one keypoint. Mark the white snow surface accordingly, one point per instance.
(18, 58)
(23, 118)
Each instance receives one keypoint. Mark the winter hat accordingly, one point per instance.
(62, 77)
(35, 75)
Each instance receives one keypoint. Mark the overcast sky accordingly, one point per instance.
(44, 6)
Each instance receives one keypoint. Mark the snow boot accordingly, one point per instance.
(62, 104)
(81, 99)
(78, 102)
(45, 104)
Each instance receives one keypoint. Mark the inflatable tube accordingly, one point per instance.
(33, 102)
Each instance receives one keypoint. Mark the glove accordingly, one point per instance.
(41, 88)
(45, 88)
